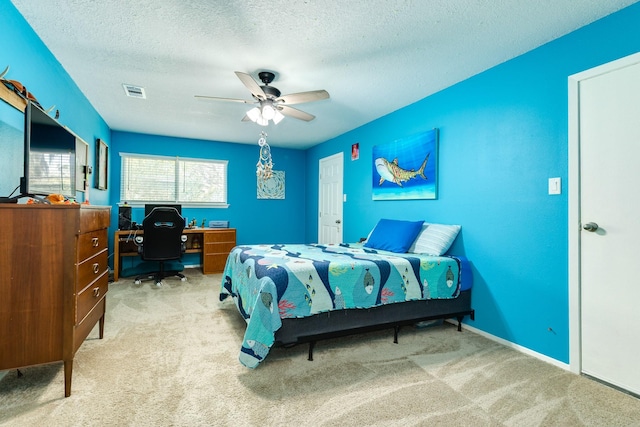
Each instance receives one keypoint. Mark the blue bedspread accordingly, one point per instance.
(270, 282)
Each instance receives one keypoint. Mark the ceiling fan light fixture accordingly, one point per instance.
(265, 112)
(268, 112)
(262, 121)
(254, 114)
(277, 117)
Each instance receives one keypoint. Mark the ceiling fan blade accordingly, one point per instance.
(251, 84)
(301, 97)
(215, 98)
(246, 119)
(296, 114)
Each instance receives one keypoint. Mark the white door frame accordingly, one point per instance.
(575, 361)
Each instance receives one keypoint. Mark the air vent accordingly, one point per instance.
(134, 91)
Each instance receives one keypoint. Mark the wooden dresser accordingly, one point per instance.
(53, 281)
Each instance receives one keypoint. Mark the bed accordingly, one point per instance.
(292, 293)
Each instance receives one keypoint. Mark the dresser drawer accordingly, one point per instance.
(91, 295)
(90, 269)
(91, 243)
(83, 328)
(94, 218)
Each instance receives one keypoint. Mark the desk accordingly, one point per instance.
(214, 245)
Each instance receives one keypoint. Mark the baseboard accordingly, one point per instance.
(514, 346)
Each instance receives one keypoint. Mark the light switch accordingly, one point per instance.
(555, 186)
(344, 198)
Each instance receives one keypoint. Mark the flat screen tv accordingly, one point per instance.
(12, 143)
(49, 156)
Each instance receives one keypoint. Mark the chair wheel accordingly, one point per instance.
(183, 279)
(137, 282)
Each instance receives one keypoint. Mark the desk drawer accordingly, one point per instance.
(214, 263)
(90, 296)
(91, 243)
(218, 248)
(90, 269)
(228, 235)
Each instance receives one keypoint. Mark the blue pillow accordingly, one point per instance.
(394, 235)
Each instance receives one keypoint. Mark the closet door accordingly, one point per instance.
(610, 219)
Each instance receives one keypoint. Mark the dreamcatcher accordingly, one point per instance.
(264, 167)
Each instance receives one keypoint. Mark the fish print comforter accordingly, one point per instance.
(271, 282)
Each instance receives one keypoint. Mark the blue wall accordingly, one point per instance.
(256, 220)
(32, 64)
(503, 133)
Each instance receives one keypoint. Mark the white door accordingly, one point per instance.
(331, 199)
(609, 147)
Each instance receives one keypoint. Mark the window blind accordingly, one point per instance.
(147, 179)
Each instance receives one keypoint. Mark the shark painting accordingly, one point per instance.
(392, 172)
(406, 169)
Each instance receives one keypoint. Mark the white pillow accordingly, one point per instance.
(435, 239)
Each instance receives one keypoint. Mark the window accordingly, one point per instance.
(196, 182)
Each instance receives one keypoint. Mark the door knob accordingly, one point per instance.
(590, 226)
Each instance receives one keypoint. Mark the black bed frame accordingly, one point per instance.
(333, 324)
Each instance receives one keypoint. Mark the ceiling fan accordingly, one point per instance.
(271, 105)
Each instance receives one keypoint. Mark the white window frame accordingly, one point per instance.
(124, 181)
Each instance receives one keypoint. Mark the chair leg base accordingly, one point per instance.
(159, 278)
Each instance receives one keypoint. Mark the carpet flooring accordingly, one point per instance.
(170, 358)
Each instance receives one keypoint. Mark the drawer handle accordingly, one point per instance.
(95, 242)
(96, 292)
(96, 268)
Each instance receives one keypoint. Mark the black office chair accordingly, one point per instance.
(162, 241)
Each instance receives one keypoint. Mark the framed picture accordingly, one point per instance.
(102, 164)
(355, 151)
(272, 188)
(406, 169)
(82, 170)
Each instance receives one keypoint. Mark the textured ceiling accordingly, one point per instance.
(372, 56)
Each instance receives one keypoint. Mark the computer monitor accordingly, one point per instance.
(149, 207)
